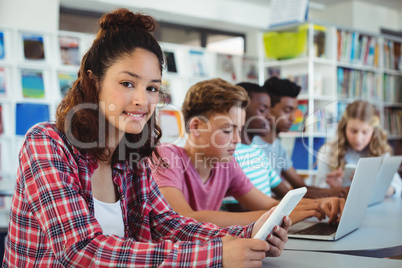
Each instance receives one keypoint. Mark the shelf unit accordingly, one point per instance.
(367, 66)
(192, 64)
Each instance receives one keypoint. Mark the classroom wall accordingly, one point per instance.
(361, 16)
(225, 14)
(40, 15)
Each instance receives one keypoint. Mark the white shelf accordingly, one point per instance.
(297, 61)
(393, 72)
(359, 67)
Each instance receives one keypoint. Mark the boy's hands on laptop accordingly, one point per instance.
(249, 252)
(333, 207)
(320, 208)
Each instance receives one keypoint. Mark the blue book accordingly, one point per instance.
(29, 114)
(300, 153)
(2, 50)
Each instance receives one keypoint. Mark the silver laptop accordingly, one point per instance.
(355, 207)
(389, 166)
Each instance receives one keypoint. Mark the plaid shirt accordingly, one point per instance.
(52, 215)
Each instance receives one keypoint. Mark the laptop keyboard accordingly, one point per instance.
(320, 228)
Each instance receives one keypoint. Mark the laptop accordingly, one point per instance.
(389, 166)
(355, 206)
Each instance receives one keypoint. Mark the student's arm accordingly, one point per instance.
(395, 187)
(255, 199)
(291, 176)
(280, 190)
(178, 203)
(312, 192)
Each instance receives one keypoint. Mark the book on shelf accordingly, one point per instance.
(2, 47)
(170, 61)
(393, 121)
(392, 54)
(29, 114)
(392, 87)
(396, 145)
(3, 88)
(358, 84)
(319, 39)
(32, 83)
(33, 47)
(341, 109)
(301, 150)
(66, 81)
(250, 69)
(198, 63)
(356, 48)
(300, 115)
(1, 120)
(225, 68)
(70, 50)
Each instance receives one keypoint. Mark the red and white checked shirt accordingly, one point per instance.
(52, 220)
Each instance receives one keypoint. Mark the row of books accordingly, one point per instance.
(358, 84)
(33, 84)
(393, 121)
(392, 55)
(354, 47)
(396, 146)
(392, 86)
(35, 50)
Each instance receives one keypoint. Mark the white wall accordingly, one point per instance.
(361, 16)
(338, 14)
(372, 18)
(40, 15)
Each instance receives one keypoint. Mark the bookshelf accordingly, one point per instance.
(30, 63)
(334, 66)
(36, 68)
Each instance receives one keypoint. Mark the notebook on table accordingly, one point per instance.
(355, 206)
(389, 167)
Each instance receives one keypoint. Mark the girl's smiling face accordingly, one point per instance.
(129, 92)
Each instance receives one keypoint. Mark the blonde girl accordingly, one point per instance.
(359, 135)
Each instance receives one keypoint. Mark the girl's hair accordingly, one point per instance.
(365, 112)
(212, 97)
(121, 33)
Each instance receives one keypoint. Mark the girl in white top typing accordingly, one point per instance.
(359, 135)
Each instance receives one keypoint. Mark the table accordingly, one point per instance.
(312, 259)
(380, 234)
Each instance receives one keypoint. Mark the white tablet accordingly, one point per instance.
(284, 208)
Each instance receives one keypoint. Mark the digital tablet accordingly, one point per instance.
(284, 208)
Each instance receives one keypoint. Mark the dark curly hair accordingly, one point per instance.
(278, 88)
(120, 33)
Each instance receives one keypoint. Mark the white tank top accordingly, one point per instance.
(110, 217)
